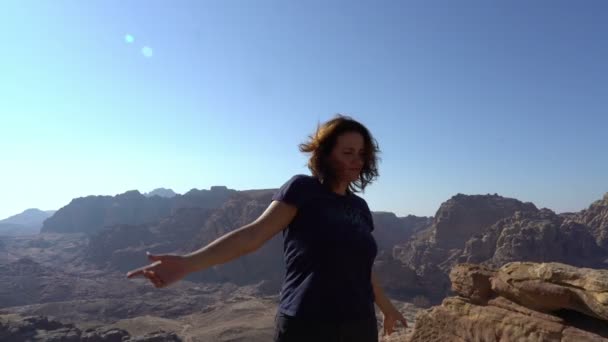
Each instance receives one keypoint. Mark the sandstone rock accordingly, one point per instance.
(459, 320)
(473, 282)
(550, 287)
(526, 302)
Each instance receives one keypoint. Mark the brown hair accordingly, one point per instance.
(321, 144)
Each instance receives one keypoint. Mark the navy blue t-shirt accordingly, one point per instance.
(329, 252)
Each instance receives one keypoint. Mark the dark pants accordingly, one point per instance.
(291, 329)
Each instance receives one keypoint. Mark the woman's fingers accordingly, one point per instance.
(388, 327)
(154, 278)
(140, 271)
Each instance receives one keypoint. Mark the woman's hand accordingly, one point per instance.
(164, 269)
(390, 318)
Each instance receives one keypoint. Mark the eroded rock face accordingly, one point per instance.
(463, 216)
(538, 236)
(16, 328)
(596, 217)
(473, 282)
(520, 301)
(434, 251)
(493, 230)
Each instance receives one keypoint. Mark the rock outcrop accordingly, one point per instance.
(520, 301)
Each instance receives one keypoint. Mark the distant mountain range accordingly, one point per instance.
(80, 277)
(415, 253)
(161, 192)
(28, 222)
(93, 213)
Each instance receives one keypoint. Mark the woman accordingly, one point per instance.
(329, 289)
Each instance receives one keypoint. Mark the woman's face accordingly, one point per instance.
(348, 156)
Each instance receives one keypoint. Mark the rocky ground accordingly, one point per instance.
(520, 301)
(50, 294)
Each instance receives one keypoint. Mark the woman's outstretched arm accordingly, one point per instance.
(244, 240)
(167, 269)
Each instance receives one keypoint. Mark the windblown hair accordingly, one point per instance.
(321, 144)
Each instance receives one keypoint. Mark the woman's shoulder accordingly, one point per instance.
(297, 190)
(360, 200)
(302, 179)
(300, 182)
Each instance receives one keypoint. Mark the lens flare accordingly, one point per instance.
(147, 51)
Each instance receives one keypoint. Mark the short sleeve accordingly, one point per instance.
(295, 191)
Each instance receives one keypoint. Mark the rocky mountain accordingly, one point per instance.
(596, 217)
(161, 192)
(28, 222)
(539, 235)
(494, 230)
(520, 301)
(463, 216)
(91, 214)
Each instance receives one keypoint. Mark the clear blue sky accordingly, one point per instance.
(466, 97)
